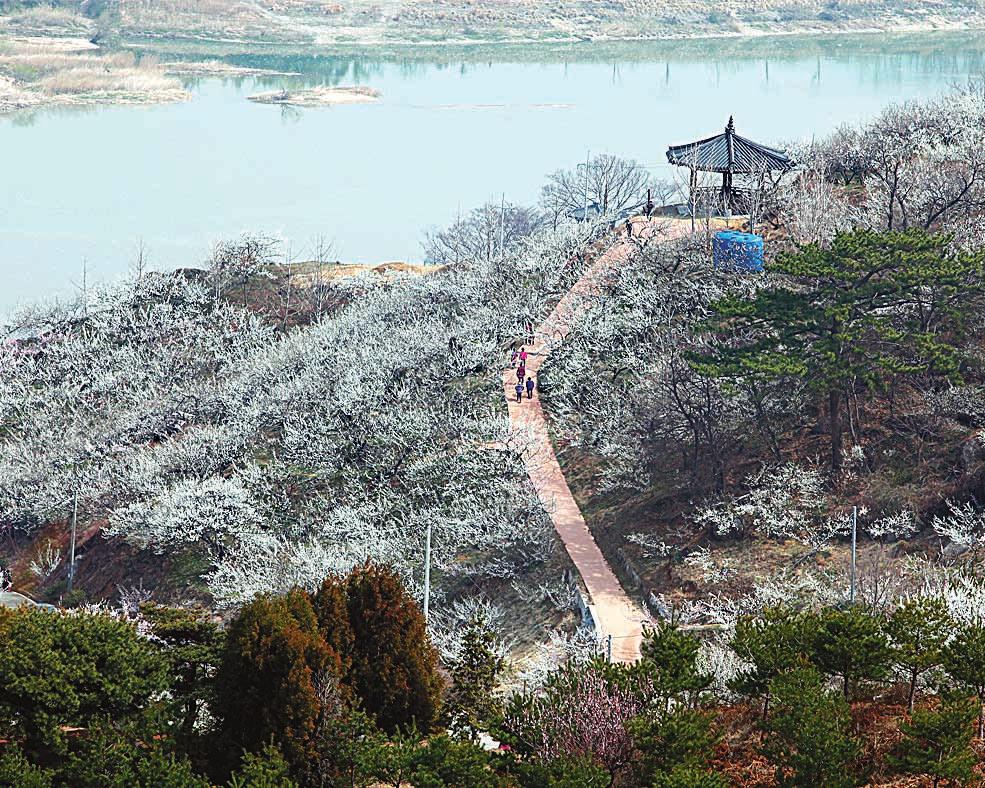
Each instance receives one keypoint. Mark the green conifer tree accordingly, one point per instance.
(16, 771)
(772, 644)
(808, 736)
(857, 312)
(918, 630)
(937, 742)
(472, 704)
(60, 671)
(268, 687)
(394, 666)
(851, 643)
(191, 644)
(670, 660)
(673, 744)
(964, 662)
(265, 769)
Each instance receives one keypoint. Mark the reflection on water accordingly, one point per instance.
(456, 127)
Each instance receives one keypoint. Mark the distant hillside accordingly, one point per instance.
(449, 21)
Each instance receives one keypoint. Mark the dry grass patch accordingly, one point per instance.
(97, 80)
(38, 71)
(48, 20)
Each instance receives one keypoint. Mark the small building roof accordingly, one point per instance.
(728, 152)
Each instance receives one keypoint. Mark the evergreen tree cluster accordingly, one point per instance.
(337, 687)
(342, 687)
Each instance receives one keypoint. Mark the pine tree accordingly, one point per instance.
(109, 756)
(850, 643)
(689, 777)
(808, 733)
(16, 771)
(472, 703)
(918, 630)
(964, 662)
(191, 645)
(267, 687)
(349, 746)
(558, 773)
(773, 644)
(394, 666)
(71, 670)
(674, 743)
(410, 759)
(937, 742)
(265, 769)
(858, 312)
(670, 661)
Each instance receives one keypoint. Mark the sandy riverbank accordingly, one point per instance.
(216, 68)
(318, 97)
(41, 71)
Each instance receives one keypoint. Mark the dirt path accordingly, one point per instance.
(615, 613)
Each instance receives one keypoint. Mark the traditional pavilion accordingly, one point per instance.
(730, 155)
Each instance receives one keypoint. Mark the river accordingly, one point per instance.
(82, 188)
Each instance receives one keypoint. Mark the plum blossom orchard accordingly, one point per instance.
(718, 486)
(180, 421)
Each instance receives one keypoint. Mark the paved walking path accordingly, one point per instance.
(614, 612)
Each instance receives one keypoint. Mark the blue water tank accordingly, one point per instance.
(741, 251)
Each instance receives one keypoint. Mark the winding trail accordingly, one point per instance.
(615, 613)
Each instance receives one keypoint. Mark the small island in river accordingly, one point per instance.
(318, 96)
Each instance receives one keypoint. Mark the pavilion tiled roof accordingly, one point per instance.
(729, 152)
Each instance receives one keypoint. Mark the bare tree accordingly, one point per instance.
(612, 183)
(813, 208)
(236, 263)
(484, 234)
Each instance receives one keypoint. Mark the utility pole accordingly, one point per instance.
(608, 649)
(502, 224)
(427, 575)
(75, 519)
(851, 592)
(588, 158)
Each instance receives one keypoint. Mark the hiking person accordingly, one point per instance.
(523, 357)
(513, 356)
(530, 388)
(519, 392)
(521, 373)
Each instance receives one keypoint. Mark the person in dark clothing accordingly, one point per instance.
(521, 373)
(530, 388)
(519, 392)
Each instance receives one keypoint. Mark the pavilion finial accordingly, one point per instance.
(730, 128)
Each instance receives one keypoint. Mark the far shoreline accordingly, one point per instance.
(752, 38)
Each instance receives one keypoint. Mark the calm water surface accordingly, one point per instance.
(451, 132)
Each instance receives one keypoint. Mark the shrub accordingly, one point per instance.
(394, 666)
(271, 681)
